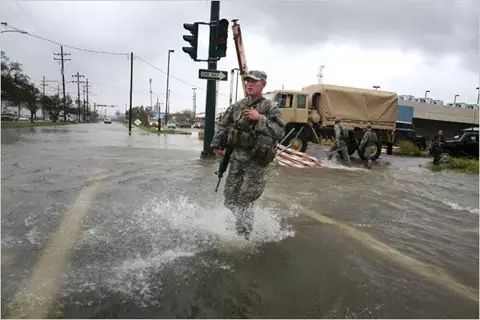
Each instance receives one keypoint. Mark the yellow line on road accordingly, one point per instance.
(36, 294)
(428, 271)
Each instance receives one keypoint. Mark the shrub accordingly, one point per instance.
(466, 165)
(407, 148)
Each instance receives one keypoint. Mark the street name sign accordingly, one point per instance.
(213, 74)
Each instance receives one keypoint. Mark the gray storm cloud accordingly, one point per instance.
(434, 27)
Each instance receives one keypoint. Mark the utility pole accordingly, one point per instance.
(44, 84)
(88, 111)
(320, 74)
(151, 104)
(211, 84)
(131, 88)
(159, 120)
(194, 102)
(62, 70)
(78, 76)
(83, 104)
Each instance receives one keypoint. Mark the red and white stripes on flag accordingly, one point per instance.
(287, 157)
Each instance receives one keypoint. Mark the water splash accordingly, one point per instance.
(176, 229)
(332, 164)
(455, 206)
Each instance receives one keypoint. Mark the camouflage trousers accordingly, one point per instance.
(244, 184)
(341, 149)
(369, 153)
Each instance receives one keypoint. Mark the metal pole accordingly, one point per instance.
(83, 107)
(151, 104)
(167, 105)
(159, 120)
(131, 88)
(236, 90)
(88, 111)
(426, 92)
(231, 87)
(194, 103)
(78, 95)
(211, 84)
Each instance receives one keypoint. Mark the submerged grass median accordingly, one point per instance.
(27, 124)
(407, 148)
(466, 165)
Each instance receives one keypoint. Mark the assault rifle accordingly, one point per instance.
(223, 165)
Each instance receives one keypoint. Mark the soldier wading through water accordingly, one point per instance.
(341, 141)
(368, 146)
(252, 126)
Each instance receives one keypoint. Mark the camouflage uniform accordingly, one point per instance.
(368, 147)
(246, 176)
(340, 143)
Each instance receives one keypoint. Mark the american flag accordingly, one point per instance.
(287, 157)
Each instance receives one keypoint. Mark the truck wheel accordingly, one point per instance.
(375, 157)
(299, 143)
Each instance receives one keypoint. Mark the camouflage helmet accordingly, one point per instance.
(256, 75)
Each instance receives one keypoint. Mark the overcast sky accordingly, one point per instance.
(405, 46)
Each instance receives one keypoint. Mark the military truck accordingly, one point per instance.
(311, 112)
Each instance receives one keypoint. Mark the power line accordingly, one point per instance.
(72, 47)
(178, 79)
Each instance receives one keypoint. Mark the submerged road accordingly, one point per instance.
(100, 224)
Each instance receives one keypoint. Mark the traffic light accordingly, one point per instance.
(221, 40)
(192, 39)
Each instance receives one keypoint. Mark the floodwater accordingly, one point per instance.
(100, 224)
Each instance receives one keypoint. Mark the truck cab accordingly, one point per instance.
(295, 115)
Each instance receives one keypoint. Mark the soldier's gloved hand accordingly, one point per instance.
(252, 114)
(219, 152)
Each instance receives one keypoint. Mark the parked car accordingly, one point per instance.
(466, 145)
(23, 119)
(197, 125)
(9, 117)
(171, 125)
(107, 120)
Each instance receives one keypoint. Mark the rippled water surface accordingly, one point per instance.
(145, 236)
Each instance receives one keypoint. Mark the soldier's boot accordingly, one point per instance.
(244, 224)
(367, 164)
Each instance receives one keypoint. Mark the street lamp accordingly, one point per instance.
(167, 106)
(3, 23)
(376, 87)
(455, 99)
(426, 92)
(478, 95)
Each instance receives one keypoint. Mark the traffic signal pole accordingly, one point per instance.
(211, 84)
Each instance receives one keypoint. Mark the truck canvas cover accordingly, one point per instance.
(354, 106)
